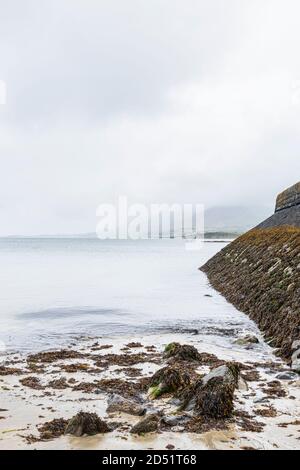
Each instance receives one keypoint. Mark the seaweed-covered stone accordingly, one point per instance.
(184, 352)
(213, 394)
(86, 423)
(215, 399)
(117, 404)
(167, 380)
(148, 424)
(247, 340)
(229, 373)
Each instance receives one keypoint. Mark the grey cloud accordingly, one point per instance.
(99, 58)
(161, 100)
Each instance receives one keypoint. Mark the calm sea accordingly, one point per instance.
(54, 290)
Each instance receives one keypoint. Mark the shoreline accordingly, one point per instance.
(62, 387)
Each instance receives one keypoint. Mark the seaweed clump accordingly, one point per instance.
(86, 423)
(53, 356)
(167, 380)
(32, 382)
(212, 395)
(52, 429)
(215, 399)
(184, 352)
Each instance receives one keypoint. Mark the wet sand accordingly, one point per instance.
(35, 391)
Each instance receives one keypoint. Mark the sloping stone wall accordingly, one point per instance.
(288, 198)
(289, 216)
(259, 273)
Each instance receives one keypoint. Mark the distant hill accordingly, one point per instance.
(220, 222)
(236, 219)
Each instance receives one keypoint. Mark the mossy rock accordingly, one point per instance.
(167, 380)
(246, 340)
(183, 352)
(215, 399)
(86, 423)
(212, 395)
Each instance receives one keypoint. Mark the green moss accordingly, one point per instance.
(171, 347)
(155, 392)
(167, 380)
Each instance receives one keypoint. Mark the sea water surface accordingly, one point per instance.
(55, 290)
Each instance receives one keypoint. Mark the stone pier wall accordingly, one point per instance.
(288, 198)
(259, 273)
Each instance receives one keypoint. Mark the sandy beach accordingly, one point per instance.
(38, 389)
(150, 230)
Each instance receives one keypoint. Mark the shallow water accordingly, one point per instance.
(53, 290)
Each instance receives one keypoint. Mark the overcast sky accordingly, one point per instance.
(159, 100)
